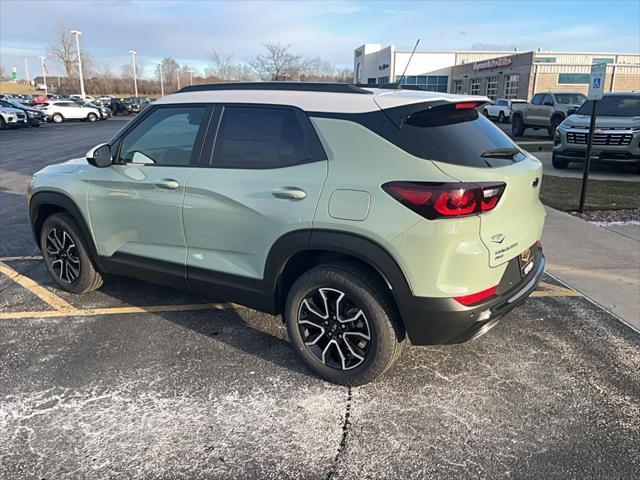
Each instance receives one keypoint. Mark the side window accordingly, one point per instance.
(165, 137)
(260, 137)
(548, 100)
(537, 99)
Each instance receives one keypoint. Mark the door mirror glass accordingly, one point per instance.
(100, 156)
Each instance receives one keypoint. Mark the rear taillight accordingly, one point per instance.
(474, 298)
(445, 200)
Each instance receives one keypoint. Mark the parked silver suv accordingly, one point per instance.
(616, 138)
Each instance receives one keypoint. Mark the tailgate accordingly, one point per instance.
(515, 224)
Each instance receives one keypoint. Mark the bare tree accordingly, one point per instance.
(63, 50)
(221, 65)
(127, 68)
(278, 63)
(169, 70)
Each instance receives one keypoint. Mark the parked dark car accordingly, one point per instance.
(35, 117)
(116, 106)
(133, 105)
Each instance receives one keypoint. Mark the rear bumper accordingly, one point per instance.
(435, 321)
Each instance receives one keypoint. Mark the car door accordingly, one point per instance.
(135, 205)
(546, 110)
(533, 111)
(265, 178)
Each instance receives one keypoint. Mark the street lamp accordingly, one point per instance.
(178, 75)
(190, 77)
(77, 34)
(44, 75)
(161, 81)
(133, 65)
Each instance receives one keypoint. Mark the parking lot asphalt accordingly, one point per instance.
(140, 381)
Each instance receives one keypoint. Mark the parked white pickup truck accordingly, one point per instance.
(500, 109)
(546, 110)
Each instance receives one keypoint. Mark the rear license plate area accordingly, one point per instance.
(525, 261)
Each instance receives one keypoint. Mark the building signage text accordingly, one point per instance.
(493, 63)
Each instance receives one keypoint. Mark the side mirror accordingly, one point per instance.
(100, 156)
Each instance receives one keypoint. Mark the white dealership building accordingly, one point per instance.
(497, 74)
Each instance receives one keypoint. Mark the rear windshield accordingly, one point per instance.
(614, 106)
(460, 137)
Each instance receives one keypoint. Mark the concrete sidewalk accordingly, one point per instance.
(599, 262)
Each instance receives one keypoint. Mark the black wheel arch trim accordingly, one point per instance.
(60, 201)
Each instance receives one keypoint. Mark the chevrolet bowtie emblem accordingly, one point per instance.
(498, 238)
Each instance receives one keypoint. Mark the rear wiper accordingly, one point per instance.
(508, 152)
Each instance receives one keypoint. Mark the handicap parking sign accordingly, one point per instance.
(596, 81)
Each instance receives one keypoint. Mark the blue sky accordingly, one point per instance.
(187, 30)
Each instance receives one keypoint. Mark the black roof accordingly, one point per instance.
(291, 86)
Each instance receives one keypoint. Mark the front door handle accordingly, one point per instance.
(290, 193)
(168, 184)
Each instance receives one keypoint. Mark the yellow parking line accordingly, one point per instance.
(21, 257)
(50, 298)
(89, 312)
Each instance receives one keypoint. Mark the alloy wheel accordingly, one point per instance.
(62, 254)
(334, 329)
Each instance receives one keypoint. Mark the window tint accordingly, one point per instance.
(165, 137)
(570, 98)
(547, 100)
(459, 136)
(613, 105)
(260, 137)
(537, 99)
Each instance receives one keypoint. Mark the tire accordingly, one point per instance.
(501, 117)
(57, 118)
(34, 124)
(517, 126)
(350, 290)
(3, 124)
(555, 121)
(66, 255)
(485, 112)
(92, 117)
(559, 163)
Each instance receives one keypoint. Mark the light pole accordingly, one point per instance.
(77, 34)
(190, 77)
(178, 72)
(161, 81)
(44, 75)
(133, 66)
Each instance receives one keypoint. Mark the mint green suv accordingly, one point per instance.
(366, 217)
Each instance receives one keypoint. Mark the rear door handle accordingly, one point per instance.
(168, 184)
(291, 193)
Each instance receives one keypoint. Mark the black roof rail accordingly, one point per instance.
(290, 86)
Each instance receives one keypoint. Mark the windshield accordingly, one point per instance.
(570, 98)
(461, 137)
(614, 106)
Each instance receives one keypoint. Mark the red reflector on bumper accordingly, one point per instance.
(474, 298)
